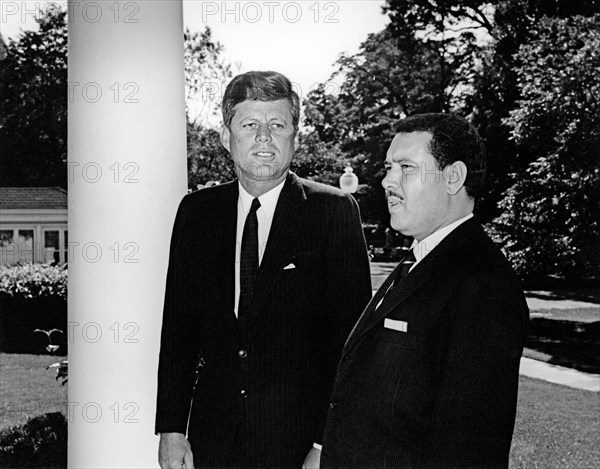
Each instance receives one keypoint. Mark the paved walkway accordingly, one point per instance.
(559, 375)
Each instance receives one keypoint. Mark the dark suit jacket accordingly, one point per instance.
(443, 393)
(263, 384)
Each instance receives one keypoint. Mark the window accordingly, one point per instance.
(52, 247)
(25, 245)
(7, 247)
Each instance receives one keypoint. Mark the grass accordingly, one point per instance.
(556, 427)
(27, 389)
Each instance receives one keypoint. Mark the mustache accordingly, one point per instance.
(391, 193)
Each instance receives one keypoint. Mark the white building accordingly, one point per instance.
(33, 225)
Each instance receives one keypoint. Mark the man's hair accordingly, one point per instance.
(453, 138)
(259, 86)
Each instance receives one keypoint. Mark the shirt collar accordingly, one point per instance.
(425, 246)
(268, 201)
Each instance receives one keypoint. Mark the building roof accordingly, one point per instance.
(33, 198)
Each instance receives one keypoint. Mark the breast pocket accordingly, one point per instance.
(398, 337)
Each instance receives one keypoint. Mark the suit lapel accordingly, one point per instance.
(417, 278)
(225, 245)
(280, 244)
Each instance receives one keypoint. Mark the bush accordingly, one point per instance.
(33, 280)
(32, 296)
(41, 442)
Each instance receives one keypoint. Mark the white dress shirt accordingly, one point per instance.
(268, 202)
(425, 246)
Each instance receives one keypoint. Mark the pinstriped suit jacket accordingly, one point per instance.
(441, 389)
(262, 390)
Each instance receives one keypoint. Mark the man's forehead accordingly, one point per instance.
(260, 107)
(406, 144)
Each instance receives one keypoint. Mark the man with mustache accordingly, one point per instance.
(429, 375)
(267, 275)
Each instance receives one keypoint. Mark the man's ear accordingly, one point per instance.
(225, 136)
(455, 175)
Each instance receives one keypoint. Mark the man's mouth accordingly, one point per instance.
(264, 154)
(393, 198)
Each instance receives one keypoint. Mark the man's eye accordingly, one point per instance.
(249, 125)
(277, 125)
(406, 167)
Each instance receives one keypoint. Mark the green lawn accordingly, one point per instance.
(27, 389)
(556, 427)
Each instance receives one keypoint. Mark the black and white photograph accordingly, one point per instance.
(301, 234)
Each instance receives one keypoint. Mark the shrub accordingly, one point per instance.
(41, 442)
(32, 296)
(33, 280)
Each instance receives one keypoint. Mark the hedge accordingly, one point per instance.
(32, 296)
(41, 442)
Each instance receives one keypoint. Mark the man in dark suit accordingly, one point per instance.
(429, 375)
(267, 276)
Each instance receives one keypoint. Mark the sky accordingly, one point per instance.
(301, 39)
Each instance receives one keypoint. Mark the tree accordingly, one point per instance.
(388, 78)
(496, 90)
(205, 76)
(207, 158)
(33, 105)
(318, 161)
(550, 225)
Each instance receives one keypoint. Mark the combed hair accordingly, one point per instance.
(259, 86)
(453, 138)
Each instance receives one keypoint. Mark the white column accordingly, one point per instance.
(127, 174)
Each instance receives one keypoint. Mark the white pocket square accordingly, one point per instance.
(289, 266)
(401, 326)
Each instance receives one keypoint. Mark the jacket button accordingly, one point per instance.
(243, 393)
(333, 404)
(242, 353)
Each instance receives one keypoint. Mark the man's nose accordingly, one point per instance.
(388, 182)
(263, 134)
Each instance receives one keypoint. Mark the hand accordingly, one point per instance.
(174, 452)
(313, 459)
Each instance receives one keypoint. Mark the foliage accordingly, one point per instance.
(206, 73)
(208, 160)
(32, 296)
(33, 99)
(41, 442)
(33, 104)
(33, 280)
(550, 224)
(533, 104)
(413, 66)
(318, 161)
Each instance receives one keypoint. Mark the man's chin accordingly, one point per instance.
(398, 225)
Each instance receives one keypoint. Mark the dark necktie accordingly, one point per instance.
(401, 271)
(407, 263)
(248, 260)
